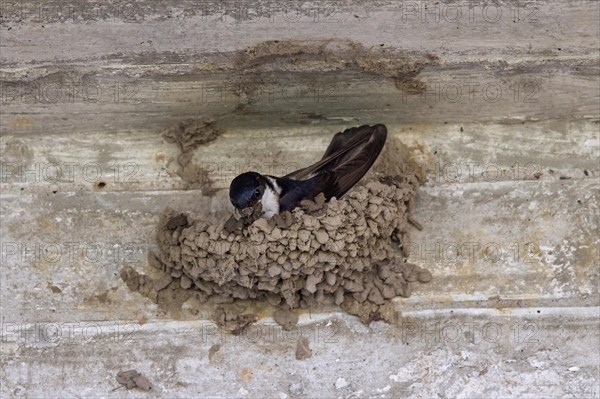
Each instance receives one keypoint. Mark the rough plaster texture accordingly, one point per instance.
(509, 210)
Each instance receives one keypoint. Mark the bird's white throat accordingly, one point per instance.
(270, 199)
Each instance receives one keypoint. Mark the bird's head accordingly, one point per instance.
(247, 189)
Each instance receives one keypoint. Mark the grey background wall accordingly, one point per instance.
(497, 102)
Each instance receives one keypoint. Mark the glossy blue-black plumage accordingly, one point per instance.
(245, 189)
(348, 157)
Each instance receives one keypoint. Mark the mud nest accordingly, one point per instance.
(347, 251)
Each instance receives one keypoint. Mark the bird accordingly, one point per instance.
(349, 156)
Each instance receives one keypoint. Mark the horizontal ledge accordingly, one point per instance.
(196, 67)
(305, 319)
(31, 191)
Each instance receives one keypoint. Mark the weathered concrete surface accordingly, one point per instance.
(484, 353)
(132, 97)
(139, 64)
(514, 279)
(510, 209)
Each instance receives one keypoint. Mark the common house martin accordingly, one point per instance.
(348, 157)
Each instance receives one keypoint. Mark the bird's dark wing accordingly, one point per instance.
(352, 166)
(345, 146)
(342, 139)
(294, 191)
(349, 156)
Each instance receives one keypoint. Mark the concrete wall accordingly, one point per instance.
(498, 103)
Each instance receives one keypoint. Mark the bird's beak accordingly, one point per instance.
(256, 208)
